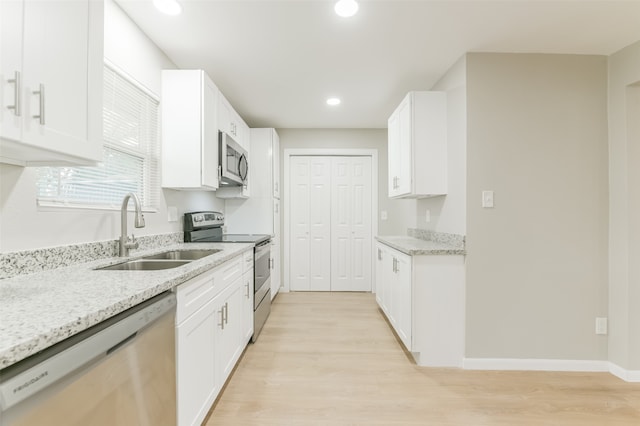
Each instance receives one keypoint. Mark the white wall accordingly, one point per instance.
(624, 207)
(537, 262)
(448, 213)
(26, 226)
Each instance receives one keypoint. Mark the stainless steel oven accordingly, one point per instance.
(261, 286)
(206, 227)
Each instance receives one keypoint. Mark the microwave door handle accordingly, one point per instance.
(243, 164)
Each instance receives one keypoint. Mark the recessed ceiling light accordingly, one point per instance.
(168, 7)
(333, 101)
(346, 8)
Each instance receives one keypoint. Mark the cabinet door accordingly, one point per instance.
(275, 154)
(209, 134)
(247, 306)
(394, 153)
(224, 114)
(11, 113)
(229, 332)
(402, 298)
(403, 184)
(275, 267)
(380, 281)
(197, 384)
(57, 85)
(241, 132)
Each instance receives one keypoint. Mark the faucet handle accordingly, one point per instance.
(131, 242)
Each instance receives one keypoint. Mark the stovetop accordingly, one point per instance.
(241, 238)
(206, 227)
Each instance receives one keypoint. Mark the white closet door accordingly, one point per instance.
(351, 224)
(310, 261)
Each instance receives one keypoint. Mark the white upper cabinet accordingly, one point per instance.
(229, 121)
(51, 76)
(189, 130)
(418, 146)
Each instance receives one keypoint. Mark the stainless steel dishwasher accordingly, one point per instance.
(119, 372)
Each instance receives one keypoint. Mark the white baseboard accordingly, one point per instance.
(513, 364)
(626, 375)
(534, 364)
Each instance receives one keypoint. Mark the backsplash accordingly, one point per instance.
(31, 261)
(441, 237)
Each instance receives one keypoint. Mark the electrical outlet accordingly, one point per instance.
(383, 215)
(172, 214)
(601, 325)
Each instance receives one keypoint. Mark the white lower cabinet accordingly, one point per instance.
(197, 384)
(228, 333)
(423, 298)
(211, 334)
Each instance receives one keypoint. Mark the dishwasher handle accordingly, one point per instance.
(25, 379)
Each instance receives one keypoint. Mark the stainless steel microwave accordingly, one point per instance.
(233, 167)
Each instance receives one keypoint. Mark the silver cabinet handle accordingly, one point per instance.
(222, 318)
(379, 254)
(16, 80)
(247, 286)
(226, 312)
(40, 92)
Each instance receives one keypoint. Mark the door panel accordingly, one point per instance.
(351, 224)
(331, 223)
(320, 219)
(299, 224)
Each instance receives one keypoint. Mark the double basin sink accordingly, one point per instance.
(165, 260)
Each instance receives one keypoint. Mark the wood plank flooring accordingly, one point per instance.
(331, 359)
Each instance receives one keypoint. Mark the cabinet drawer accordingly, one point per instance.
(231, 271)
(194, 294)
(247, 260)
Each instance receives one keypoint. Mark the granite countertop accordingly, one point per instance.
(40, 309)
(416, 246)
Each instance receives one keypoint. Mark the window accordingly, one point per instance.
(130, 154)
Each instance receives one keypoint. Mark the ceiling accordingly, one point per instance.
(278, 61)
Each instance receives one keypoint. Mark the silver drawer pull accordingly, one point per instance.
(40, 92)
(16, 96)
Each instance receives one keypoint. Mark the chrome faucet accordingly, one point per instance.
(127, 243)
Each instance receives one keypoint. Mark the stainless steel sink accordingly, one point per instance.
(165, 260)
(145, 265)
(194, 254)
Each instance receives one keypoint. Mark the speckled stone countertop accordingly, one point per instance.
(416, 246)
(40, 309)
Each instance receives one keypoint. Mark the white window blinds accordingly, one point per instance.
(130, 154)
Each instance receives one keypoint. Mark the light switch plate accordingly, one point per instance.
(601, 325)
(383, 215)
(487, 199)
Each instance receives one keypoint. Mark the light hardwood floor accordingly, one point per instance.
(331, 359)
